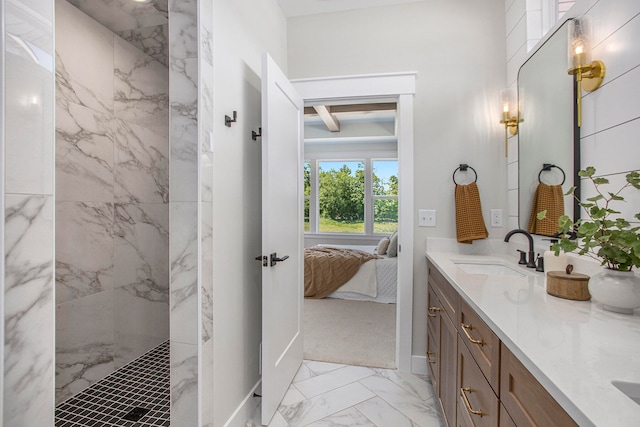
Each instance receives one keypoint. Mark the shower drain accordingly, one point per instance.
(135, 414)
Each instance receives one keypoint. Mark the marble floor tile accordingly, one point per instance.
(354, 396)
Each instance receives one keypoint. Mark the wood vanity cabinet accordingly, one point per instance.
(478, 381)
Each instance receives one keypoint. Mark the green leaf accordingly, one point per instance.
(600, 181)
(588, 171)
(587, 229)
(542, 214)
(596, 198)
(615, 196)
(570, 191)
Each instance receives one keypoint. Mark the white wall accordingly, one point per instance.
(243, 29)
(458, 50)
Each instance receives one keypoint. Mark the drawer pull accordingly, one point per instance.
(433, 311)
(429, 360)
(463, 393)
(466, 329)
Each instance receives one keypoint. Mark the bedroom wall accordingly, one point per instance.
(458, 49)
(242, 30)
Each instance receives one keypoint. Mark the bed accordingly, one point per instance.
(375, 280)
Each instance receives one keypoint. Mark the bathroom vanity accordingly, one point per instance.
(503, 352)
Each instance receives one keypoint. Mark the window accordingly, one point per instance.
(355, 196)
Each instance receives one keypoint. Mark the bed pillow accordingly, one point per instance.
(381, 249)
(392, 250)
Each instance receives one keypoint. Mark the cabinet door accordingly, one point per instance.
(434, 309)
(483, 344)
(448, 364)
(475, 395)
(433, 361)
(505, 419)
(446, 293)
(525, 399)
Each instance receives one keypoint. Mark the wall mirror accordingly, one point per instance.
(548, 134)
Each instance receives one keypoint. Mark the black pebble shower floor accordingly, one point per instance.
(141, 384)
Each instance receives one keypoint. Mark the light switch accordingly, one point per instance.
(426, 218)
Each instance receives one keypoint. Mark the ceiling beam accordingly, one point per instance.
(357, 108)
(329, 119)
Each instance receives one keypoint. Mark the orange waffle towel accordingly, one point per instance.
(547, 197)
(469, 221)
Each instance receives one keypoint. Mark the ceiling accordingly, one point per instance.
(311, 7)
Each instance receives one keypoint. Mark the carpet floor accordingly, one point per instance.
(357, 333)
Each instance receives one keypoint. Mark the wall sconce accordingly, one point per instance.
(589, 74)
(510, 117)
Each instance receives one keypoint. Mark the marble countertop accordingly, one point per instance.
(573, 348)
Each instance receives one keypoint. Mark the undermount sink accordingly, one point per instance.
(632, 390)
(492, 268)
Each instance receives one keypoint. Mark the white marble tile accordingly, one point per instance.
(84, 249)
(184, 385)
(303, 372)
(184, 130)
(28, 124)
(411, 383)
(153, 41)
(332, 380)
(84, 343)
(119, 15)
(207, 383)
(348, 418)
(326, 404)
(319, 368)
(420, 412)
(141, 88)
(183, 31)
(184, 272)
(141, 169)
(205, 16)
(85, 79)
(206, 279)
(383, 414)
(141, 250)
(292, 396)
(28, 311)
(84, 154)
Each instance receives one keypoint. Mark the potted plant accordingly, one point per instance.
(605, 236)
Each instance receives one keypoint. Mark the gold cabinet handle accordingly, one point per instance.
(463, 393)
(466, 329)
(433, 311)
(429, 360)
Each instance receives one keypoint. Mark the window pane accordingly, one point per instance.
(385, 216)
(341, 198)
(307, 179)
(385, 177)
(307, 226)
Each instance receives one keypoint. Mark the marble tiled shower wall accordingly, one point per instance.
(112, 195)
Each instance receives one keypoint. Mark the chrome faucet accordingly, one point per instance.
(531, 262)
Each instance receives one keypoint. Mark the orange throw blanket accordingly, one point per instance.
(326, 269)
(551, 199)
(469, 221)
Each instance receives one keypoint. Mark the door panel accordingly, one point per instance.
(282, 228)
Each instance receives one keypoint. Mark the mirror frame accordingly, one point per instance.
(576, 135)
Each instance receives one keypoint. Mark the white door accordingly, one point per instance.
(282, 235)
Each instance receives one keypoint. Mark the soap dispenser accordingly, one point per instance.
(553, 262)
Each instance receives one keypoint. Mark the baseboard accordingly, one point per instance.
(245, 410)
(419, 365)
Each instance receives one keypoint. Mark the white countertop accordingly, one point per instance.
(573, 348)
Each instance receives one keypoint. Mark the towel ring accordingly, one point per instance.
(547, 167)
(463, 168)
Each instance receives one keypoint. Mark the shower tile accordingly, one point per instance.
(118, 15)
(84, 154)
(141, 164)
(206, 217)
(206, 124)
(183, 32)
(207, 385)
(84, 249)
(153, 41)
(141, 88)
(184, 272)
(28, 310)
(184, 384)
(141, 249)
(143, 383)
(85, 79)
(84, 343)
(140, 324)
(184, 130)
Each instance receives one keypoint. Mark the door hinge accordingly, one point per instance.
(264, 259)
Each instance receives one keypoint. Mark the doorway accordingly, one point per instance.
(396, 88)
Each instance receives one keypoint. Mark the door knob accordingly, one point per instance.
(274, 258)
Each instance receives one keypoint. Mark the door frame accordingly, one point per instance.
(399, 88)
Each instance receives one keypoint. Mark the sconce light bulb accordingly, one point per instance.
(505, 108)
(579, 49)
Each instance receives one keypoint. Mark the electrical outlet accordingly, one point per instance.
(496, 217)
(426, 218)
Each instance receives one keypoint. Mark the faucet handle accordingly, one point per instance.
(540, 266)
(523, 257)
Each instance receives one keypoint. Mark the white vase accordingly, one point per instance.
(618, 291)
